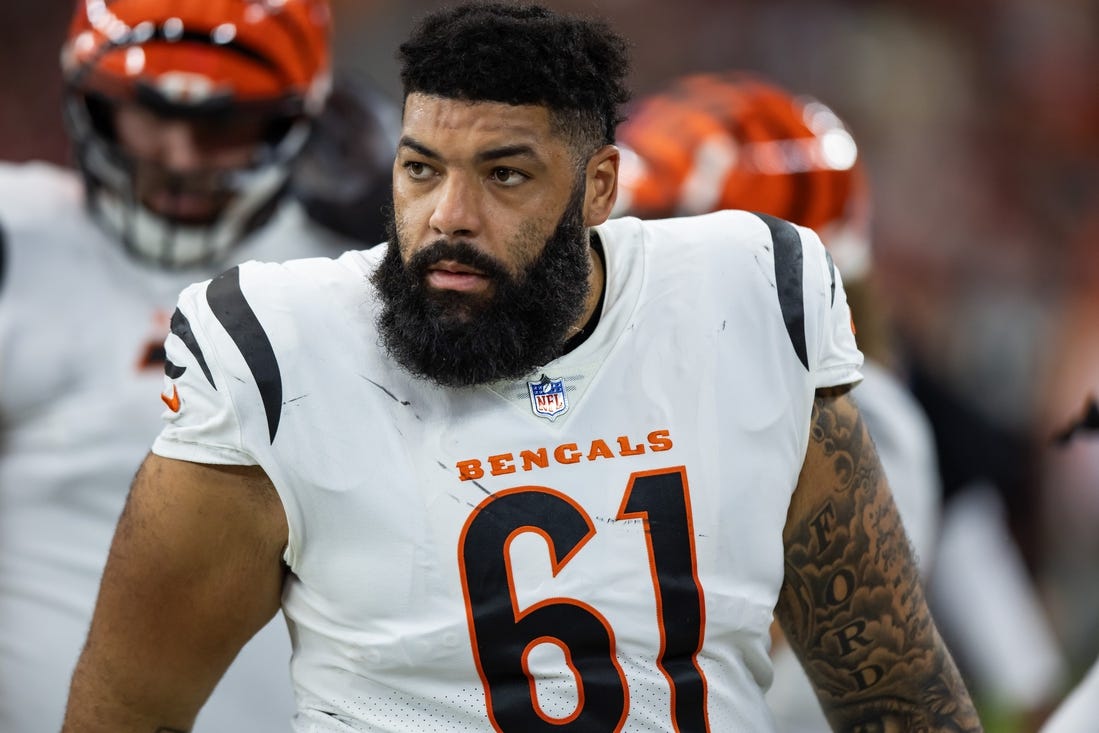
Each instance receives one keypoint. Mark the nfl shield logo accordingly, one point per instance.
(547, 397)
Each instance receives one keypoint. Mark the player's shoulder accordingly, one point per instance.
(294, 287)
(310, 274)
(37, 190)
(739, 263)
(727, 232)
(727, 243)
(38, 203)
(262, 317)
(291, 234)
(37, 196)
(750, 232)
(37, 174)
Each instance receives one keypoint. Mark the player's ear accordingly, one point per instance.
(601, 185)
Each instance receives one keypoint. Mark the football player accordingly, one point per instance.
(523, 468)
(187, 119)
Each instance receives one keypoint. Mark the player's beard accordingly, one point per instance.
(459, 339)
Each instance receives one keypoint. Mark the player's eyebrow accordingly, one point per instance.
(506, 151)
(519, 150)
(416, 146)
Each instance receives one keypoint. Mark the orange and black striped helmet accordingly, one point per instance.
(195, 52)
(736, 141)
(217, 60)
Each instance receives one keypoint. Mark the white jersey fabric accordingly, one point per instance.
(1012, 653)
(1079, 711)
(905, 442)
(598, 546)
(81, 363)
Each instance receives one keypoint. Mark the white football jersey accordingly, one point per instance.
(82, 328)
(597, 546)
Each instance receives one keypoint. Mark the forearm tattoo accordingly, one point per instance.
(851, 604)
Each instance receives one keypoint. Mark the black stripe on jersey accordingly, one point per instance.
(3, 255)
(788, 280)
(172, 370)
(182, 327)
(229, 305)
(832, 275)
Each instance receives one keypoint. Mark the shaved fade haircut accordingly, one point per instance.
(523, 55)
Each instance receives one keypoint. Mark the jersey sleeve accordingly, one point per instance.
(838, 359)
(201, 423)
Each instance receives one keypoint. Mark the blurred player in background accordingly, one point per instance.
(714, 141)
(736, 140)
(187, 121)
(1079, 711)
(344, 175)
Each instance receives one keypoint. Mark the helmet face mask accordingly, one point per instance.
(186, 125)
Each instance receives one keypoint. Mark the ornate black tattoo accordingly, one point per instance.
(852, 606)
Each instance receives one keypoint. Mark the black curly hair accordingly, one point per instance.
(523, 54)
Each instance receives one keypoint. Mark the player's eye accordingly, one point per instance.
(418, 171)
(507, 176)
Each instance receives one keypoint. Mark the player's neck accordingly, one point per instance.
(593, 306)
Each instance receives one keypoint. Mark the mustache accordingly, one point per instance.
(459, 251)
(458, 339)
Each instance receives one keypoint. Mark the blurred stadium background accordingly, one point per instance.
(979, 124)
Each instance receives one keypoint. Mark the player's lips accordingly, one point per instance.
(183, 206)
(450, 275)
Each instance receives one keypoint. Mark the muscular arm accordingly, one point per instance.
(194, 571)
(851, 604)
